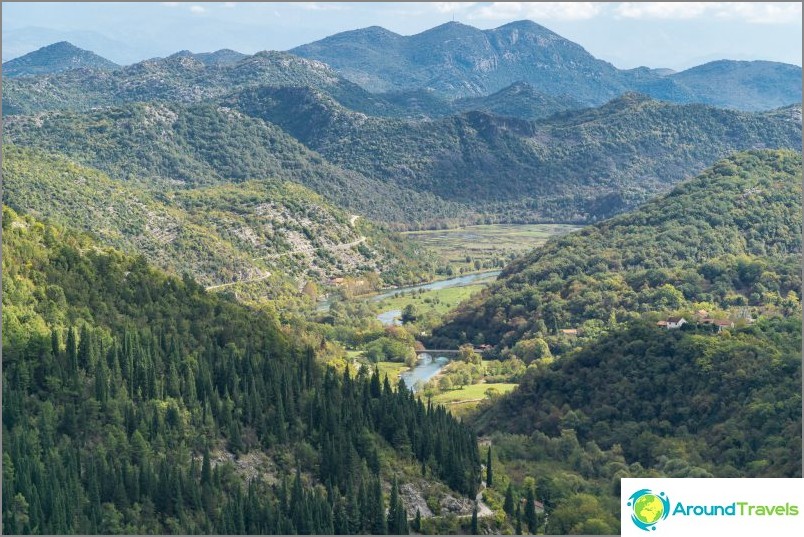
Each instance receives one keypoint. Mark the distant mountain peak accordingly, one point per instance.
(55, 58)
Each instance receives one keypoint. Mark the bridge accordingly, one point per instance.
(445, 352)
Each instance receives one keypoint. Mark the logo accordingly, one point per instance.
(647, 508)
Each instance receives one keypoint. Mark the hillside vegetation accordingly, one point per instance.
(576, 166)
(276, 233)
(135, 402)
(727, 239)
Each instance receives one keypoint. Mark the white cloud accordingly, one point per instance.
(230, 4)
(449, 7)
(539, 10)
(197, 9)
(753, 12)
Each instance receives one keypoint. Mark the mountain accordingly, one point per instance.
(575, 166)
(183, 77)
(455, 60)
(136, 402)
(55, 58)
(519, 100)
(180, 146)
(755, 85)
(728, 242)
(220, 57)
(275, 234)
(458, 60)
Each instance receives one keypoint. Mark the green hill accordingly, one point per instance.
(683, 403)
(135, 402)
(176, 146)
(56, 58)
(277, 234)
(730, 238)
(574, 166)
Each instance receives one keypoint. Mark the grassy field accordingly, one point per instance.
(438, 301)
(392, 369)
(462, 401)
(489, 243)
(471, 392)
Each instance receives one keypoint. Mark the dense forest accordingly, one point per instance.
(731, 238)
(687, 403)
(125, 390)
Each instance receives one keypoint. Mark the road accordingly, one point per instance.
(264, 276)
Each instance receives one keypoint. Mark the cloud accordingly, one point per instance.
(197, 9)
(753, 12)
(449, 7)
(539, 10)
(230, 4)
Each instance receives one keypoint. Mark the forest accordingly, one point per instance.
(120, 383)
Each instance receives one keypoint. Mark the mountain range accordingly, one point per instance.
(457, 60)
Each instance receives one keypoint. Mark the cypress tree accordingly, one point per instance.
(530, 511)
(489, 473)
(417, 522)
(508, 504)
(474, 521)
(518, 519)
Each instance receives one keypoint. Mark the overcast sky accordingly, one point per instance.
(627, 34)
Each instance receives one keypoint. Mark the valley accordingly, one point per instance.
(457, 282)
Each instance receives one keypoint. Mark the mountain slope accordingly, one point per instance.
(685, 404)
(277, 234)
(753, 85)
(457, 60)
(135, 402)
(576, 166)
(182, 77)
(180, 146)
(55, 58)
(727, 239)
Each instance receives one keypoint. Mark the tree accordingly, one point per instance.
(489, 472)
(474, 529)
(508, 504)
(530, 510)
(467, 354)
(444, 383)
(518, 519)
(409, 314)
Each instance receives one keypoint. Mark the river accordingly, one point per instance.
(425, 369)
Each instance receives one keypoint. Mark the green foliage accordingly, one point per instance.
(728, 238)
(728, 405)
(115, 430)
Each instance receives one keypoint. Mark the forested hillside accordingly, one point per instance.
(267, 231)
(175, 146)
(729, 238)
(684, 402)
(135, 402)
(577, 166)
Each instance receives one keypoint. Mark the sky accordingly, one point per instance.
(674, 35)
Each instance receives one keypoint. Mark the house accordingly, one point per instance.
(661, 323)
(570, 332)
(700, 315)
(721, 324)
(675, 322)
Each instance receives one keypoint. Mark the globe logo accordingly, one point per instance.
(648, 508)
